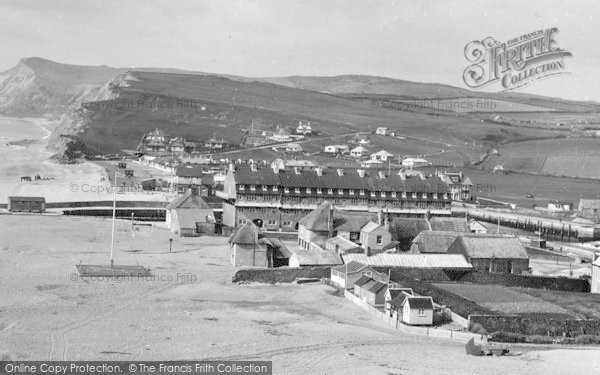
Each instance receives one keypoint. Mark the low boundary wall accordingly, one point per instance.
(536, 326)
(279, 274)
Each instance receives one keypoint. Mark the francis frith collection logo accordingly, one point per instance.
(514, 63)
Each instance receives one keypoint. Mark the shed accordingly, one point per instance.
(26, 204)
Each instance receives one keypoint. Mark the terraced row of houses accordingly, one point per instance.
(276, 199)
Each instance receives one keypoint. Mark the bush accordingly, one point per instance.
(503, 336)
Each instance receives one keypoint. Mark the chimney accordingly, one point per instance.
(340, 172)
(297, 170)
(380, 217)
(253, 167)
(402, 175)
(381, 174)
(275, 168)
(319, 171)
(368, 251)
(330, 222)
(386, 221)
(231, 167)
(361, 172)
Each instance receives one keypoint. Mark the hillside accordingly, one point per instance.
(106, 110)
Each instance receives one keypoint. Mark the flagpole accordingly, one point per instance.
(112, 237)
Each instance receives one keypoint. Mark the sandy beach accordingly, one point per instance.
(24, 152)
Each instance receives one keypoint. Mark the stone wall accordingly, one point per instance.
(280, 275)
(536, 326)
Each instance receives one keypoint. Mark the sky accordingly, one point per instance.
(421, 42)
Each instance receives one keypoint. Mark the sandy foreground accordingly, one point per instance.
(191, 310)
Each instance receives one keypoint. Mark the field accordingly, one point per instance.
(190, 309)
(572, 157)
(504, 300)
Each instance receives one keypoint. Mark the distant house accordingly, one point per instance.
(382, 156)
(461, 187)
(381, 131)
(358, 152)
(346, 275)
(189, 215)
(154, 141)
(415, 162)
(177, 144)
(26, 204)
(412, 310)
(336, 149)
(476, 227)
(374, 238)
(293, 147)
(558, 206)
(589, 209)
(370, 163)
(433, 242)
(246, 249)
(310, 258)
(304, 128)
(370, 290)
(596, 276)
(215, 144)
(280, 135)
(492, 254)
(499, 169)
(360, 140)
(193, 176)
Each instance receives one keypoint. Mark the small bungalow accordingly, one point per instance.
(346, 275)
(337, 149)
(412, 310)
(450, 224)
(415, 162)
(393, 292)
(190, 216)
(370, 290)
(358, 152)
(558, 206)
(382, 156)
(381, 131)
(476, 227)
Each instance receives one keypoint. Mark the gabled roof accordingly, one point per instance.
(318, 219)
(245, 235)
(597, 262)
(383, 153)
(351, 267)
(491, 247)
(398, 301)
(370, 227)
(419, 302)
(433, 241)
(394, 292)
(188, 200)
(377, 287)
(453, 224)
(190, 170)
(362, 280)
(359, 149)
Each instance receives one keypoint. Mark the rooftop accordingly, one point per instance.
(394, 260)
(491, 247)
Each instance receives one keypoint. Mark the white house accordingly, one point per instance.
(558, 206)
(476, 227)
(358, 152)
(596, 276)
(293, 147)
(337, 149)
(347, 274)
(381, 131)
(412, 310)
(304, 128)
(415, 162)
(382, 156)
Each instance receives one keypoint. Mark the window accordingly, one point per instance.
(242, 221)
(297, 190)
(329, 191)
(379, 240)
(272, 222)
(319, 191)
(308, 191)
(252, 187)
(341, 191)
(287, 190)
(242, 187)
(362, 192)
(435, 196)
(424, 195)
(287, 223)
(421, 312)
